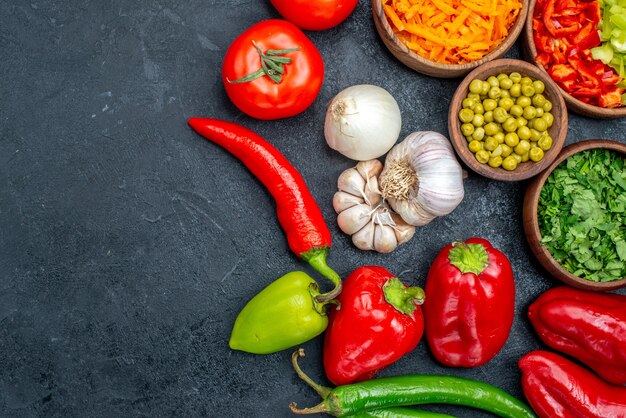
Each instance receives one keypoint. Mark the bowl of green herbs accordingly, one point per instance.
(575, 215)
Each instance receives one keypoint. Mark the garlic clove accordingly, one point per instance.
(350, 181)
(353, 219)
(404, 232)
(372, 192)
(364, 238)
(384, 239)
(371, 168)
(343, 201)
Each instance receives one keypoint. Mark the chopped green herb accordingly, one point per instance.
(582, 215)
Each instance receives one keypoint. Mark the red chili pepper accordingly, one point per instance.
(379, 321)
(298, 213)
(470, 296)
(591, 327)
(557, 387)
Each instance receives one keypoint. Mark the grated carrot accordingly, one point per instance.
(452, 31)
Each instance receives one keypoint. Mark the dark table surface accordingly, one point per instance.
(128, 244)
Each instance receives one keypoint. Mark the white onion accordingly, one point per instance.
(362, 122)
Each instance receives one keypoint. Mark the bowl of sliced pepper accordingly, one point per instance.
(581, 44)
(574, 215)
(447, 39)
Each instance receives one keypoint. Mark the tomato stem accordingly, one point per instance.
(272, 62)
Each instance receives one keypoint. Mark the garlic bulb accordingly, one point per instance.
(422, 178)
(362, 122)
(363, 214)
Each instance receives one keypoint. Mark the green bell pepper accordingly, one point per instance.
(282, 315)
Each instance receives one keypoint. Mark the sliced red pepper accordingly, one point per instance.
(562, 72)
(587, 93)
(587, 37)
(612, 98)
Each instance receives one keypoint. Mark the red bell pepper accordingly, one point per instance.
(589, 326)
(379, 321)
(470, 295)
(557, 387)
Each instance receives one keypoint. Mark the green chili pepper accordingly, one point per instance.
(398, 412)
(388, 392)
(284, 314)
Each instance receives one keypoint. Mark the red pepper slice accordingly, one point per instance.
(298, 213)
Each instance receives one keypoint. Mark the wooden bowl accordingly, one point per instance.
(557, 131)
(530, 52)
(432, 68)
(531, 223)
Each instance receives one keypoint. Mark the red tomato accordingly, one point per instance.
(290, 92)
(315, 14)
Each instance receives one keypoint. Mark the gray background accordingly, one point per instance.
(128, 244)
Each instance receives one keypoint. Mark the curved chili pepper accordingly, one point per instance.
(298, 213)
(409, 390)
(557, 387)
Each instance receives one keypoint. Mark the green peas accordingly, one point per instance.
(488, 116)
(516, 110)
(549, 118)
(515, 90)
(505, 120)
(495, 162)
(475, 146)
(547, 106)
(478, 120)
(540, 124)
(479, 134)
(528, 90)
(509, 163)
(500, 115)
(476, 86)
(467, 129)
(506, 103)
(510, 124)
(466, 115)
(482, 156)
(491, 144)
(523, 101)
(494, 92)
(468, 103)
(529, 113)
(490, 104)
(511, 139)
(524, 133)
(538, 100)
(522, 148)
(535, 154)
(545, 143)
(506, 83)
(491, 129)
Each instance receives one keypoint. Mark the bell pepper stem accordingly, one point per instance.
(317, 259)
(402, 298)
(469, 258)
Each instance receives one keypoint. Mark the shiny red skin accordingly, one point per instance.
(262, 98)
(367, 333)
(468, 317)
(557, 387)
(315, 14)
(589, 326)
(298, 213)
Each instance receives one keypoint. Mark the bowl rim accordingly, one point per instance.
(575, 105)
(497, 52)
(454, 124)
(531, 221)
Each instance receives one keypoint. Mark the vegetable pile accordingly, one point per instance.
(506, 120)
(582, 215)
(451, 31)
(569, 48)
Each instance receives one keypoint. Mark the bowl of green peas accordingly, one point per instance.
(507, 120)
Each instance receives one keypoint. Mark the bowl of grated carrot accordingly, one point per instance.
(448, 38)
